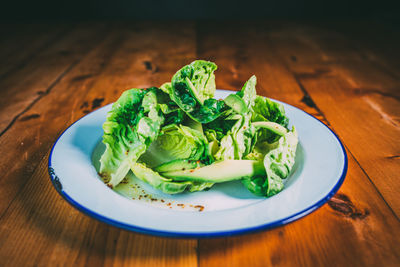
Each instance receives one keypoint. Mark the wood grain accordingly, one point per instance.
(24, 87)
(357, 98)
(351, 230)
(73, 69)
(53, 233)
(347, 230)
(116, 64)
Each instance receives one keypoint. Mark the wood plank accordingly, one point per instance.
(340, 41)
(43, 230)
(352, 228)
(38, 216)
(346, 232)
(355, 228)
(361, 101)
(22, 88)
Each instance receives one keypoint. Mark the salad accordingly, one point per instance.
(178, 138)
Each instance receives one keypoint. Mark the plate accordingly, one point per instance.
(226, 209)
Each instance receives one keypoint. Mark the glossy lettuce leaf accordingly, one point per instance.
(248, 92)
(192, 89)
(267, 110)
(172, 113)
(209, 111)
(132, 124)
(166, 87)
(198, 79)
(278, 163)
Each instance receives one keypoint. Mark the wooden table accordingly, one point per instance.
(346, 74)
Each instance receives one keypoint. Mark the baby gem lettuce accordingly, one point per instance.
(178, 137)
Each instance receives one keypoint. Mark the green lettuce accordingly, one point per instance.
(266, 110)
(237, 134)
(176, 142)
(178, 137)
(278, 162)
(238, 142)
(192, 89)
(248, 92)
(166, 185)
(197, 78)
(132, 124)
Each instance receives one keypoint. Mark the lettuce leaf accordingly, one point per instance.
(197, 78)
(192, 89)
(238, 134)
(177, 137)
(166, 185)
(176, 142)
(132, 124)
(238, 142)
(266, 110)
(248, 92)
(278, 164)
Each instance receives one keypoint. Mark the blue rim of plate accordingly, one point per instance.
(57, 185)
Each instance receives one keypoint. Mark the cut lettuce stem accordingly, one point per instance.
(272, 126)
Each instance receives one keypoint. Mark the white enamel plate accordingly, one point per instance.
(225, 209)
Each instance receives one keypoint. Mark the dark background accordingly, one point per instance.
(205, 9)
